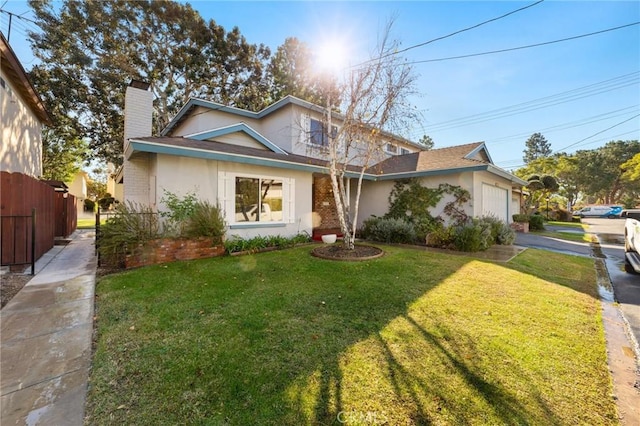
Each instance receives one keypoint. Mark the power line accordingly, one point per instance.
(570, 125)
(544, 102)
(397, 52)
(602, 131)
(521, 47)
(518, 161)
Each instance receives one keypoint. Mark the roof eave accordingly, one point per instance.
(24, 84)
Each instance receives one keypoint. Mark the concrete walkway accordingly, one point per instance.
(45, 338)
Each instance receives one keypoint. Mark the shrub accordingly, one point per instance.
(521, 218)
(237, 244)
(131, 225)
(205, 221)
(180, 209)
(441, 236)
(89, 205)
(472, 236)
(501, 233)
(388, 230)
(536, 222)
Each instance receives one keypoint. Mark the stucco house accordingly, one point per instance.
(268, 170)
(22, 118)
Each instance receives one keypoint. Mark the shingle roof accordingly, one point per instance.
(454, 157)
(438, 161)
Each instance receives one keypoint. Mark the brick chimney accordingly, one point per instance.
(138, 113)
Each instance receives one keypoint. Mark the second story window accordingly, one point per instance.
(404, 151)
(391, 149)
(318, 133)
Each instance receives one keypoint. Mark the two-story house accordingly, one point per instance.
(268, 169)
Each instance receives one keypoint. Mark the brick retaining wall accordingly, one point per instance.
(169, 250)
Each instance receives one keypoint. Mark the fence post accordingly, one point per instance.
(33, 241)
(98, 234)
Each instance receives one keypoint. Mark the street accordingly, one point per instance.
(626, 287)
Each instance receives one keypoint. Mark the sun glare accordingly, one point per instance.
(331, 56)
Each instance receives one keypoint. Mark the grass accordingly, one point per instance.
(86, 223)
(414, 337)
(564, 235)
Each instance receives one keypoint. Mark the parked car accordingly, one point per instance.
(599, 211)
(632, 240)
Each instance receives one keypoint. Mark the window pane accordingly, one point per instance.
(247, 199)
(316, 133)
(271, 191)
(258, 200)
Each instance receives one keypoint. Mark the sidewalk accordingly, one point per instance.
(45, 337)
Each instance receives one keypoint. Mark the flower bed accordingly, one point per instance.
(165, 250)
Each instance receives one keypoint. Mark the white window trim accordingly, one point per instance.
(305, 135)
(396, 148)
(227, 197)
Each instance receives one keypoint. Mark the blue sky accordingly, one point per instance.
(572, 92)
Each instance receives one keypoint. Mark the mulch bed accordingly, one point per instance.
(338, 252)
(10, 285)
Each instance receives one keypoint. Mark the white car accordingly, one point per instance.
(599, 211)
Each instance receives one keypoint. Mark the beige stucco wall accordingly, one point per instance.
(375, 195)
(182, 175)
(21, 147)
(202, 119)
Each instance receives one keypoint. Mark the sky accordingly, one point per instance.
(579, 93)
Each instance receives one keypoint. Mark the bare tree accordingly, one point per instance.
(375, 101)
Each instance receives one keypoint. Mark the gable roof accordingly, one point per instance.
(460, 158)
(424, 163)
(14, 70)
(235, 128)
(287, 100)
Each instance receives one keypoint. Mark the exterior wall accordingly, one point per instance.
(375, 195)
(181, 175)
(137, 178)
(21, 148)
(287, 128)
(78, 188)
(240, 139)
(202, 119)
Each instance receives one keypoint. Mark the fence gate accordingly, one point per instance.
(18, 244)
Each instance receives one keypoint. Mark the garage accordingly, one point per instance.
(494, 202)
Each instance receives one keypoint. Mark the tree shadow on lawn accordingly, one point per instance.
(316, 352)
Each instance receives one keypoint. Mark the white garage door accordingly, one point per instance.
(494, 202)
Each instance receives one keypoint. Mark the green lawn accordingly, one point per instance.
(414, 337)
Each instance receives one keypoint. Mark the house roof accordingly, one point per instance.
(425, 163)
(469, 157)
(239, 127)
(287, 100)
(212, 150)
(14, 70)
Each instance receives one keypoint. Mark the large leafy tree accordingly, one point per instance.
(601, 173)
(537, 146)
(90, 50)
(291, 70)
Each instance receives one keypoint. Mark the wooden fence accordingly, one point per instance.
(19, 195)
